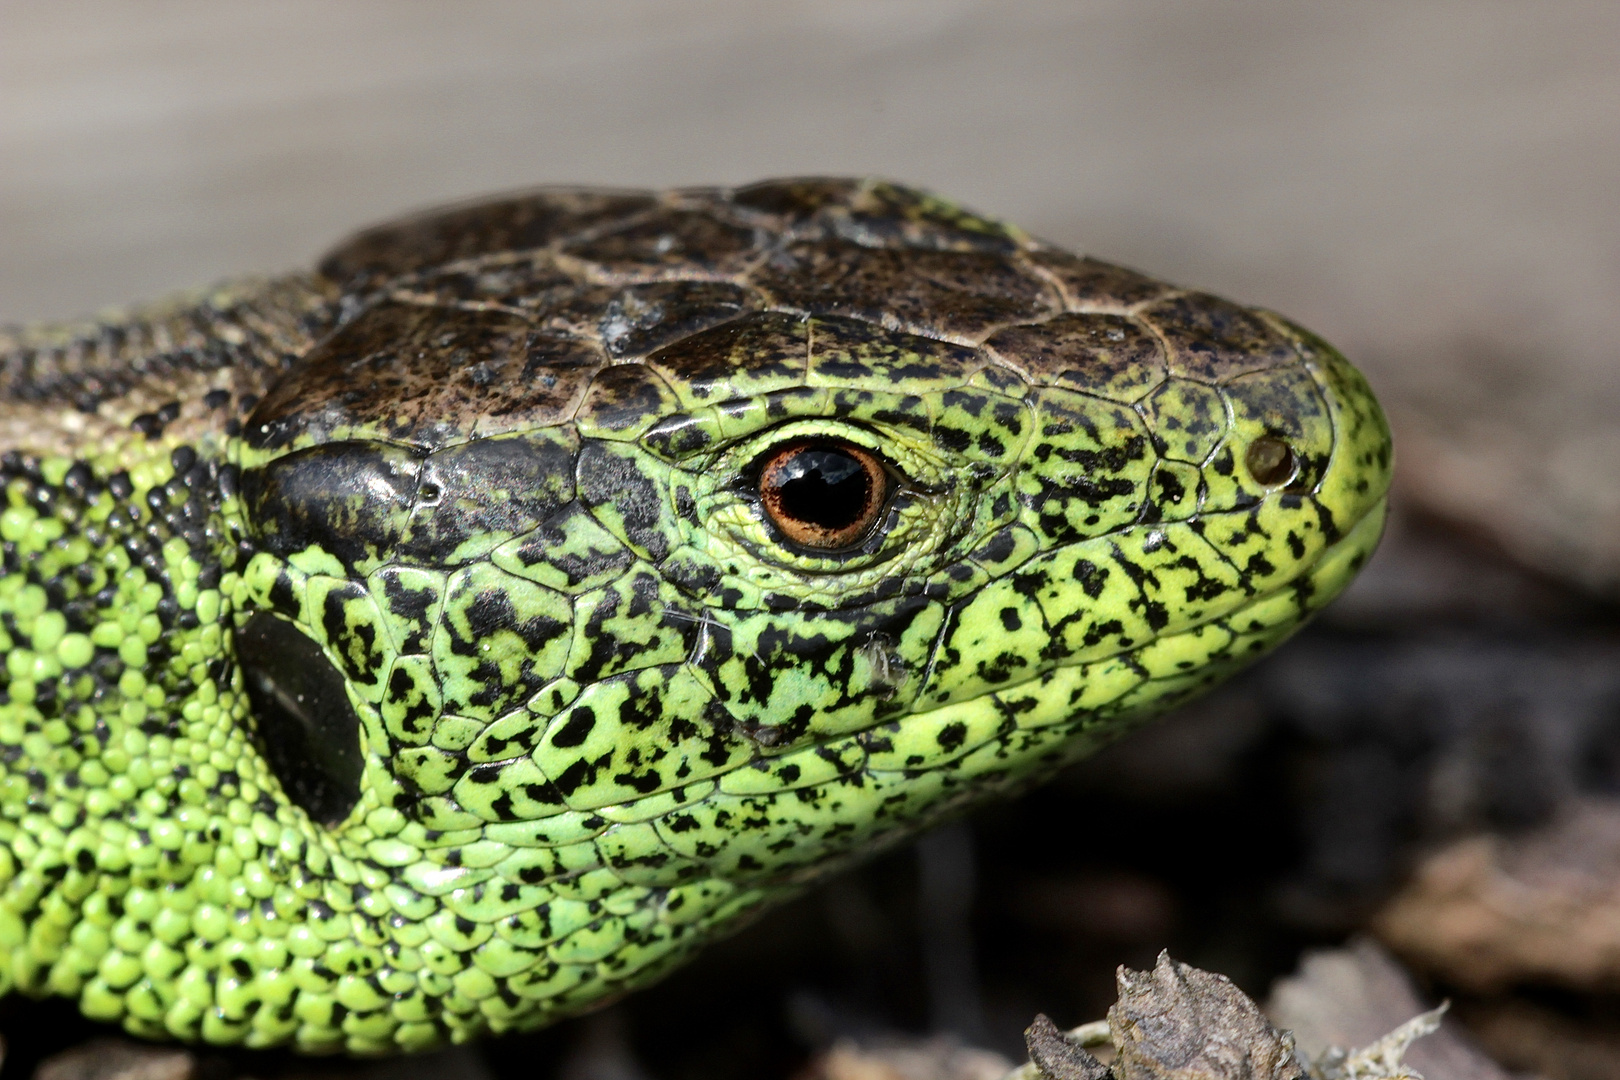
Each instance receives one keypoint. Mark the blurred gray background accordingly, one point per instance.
(1432, 184)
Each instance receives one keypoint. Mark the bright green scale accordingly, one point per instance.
(457, 638)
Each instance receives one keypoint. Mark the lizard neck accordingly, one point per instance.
(149, 865)
(135, 810)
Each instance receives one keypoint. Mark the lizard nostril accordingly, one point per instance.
(307, 729)
(1271, 461)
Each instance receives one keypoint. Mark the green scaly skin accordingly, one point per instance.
(604, 709)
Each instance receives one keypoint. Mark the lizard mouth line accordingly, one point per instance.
(1265, 618)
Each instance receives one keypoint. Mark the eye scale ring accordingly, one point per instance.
(823, 494)
(1271, 461)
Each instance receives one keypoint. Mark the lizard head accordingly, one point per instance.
(896, 519)
(592, 567)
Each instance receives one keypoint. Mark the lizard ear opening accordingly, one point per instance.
(307, 730)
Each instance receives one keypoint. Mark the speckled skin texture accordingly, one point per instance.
(494, 462)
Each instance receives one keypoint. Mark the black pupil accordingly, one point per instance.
(823, 486)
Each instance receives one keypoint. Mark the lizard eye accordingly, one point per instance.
(823, 494)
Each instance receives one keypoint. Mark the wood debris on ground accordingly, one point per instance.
(1178, 1022)
(1489, 912)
